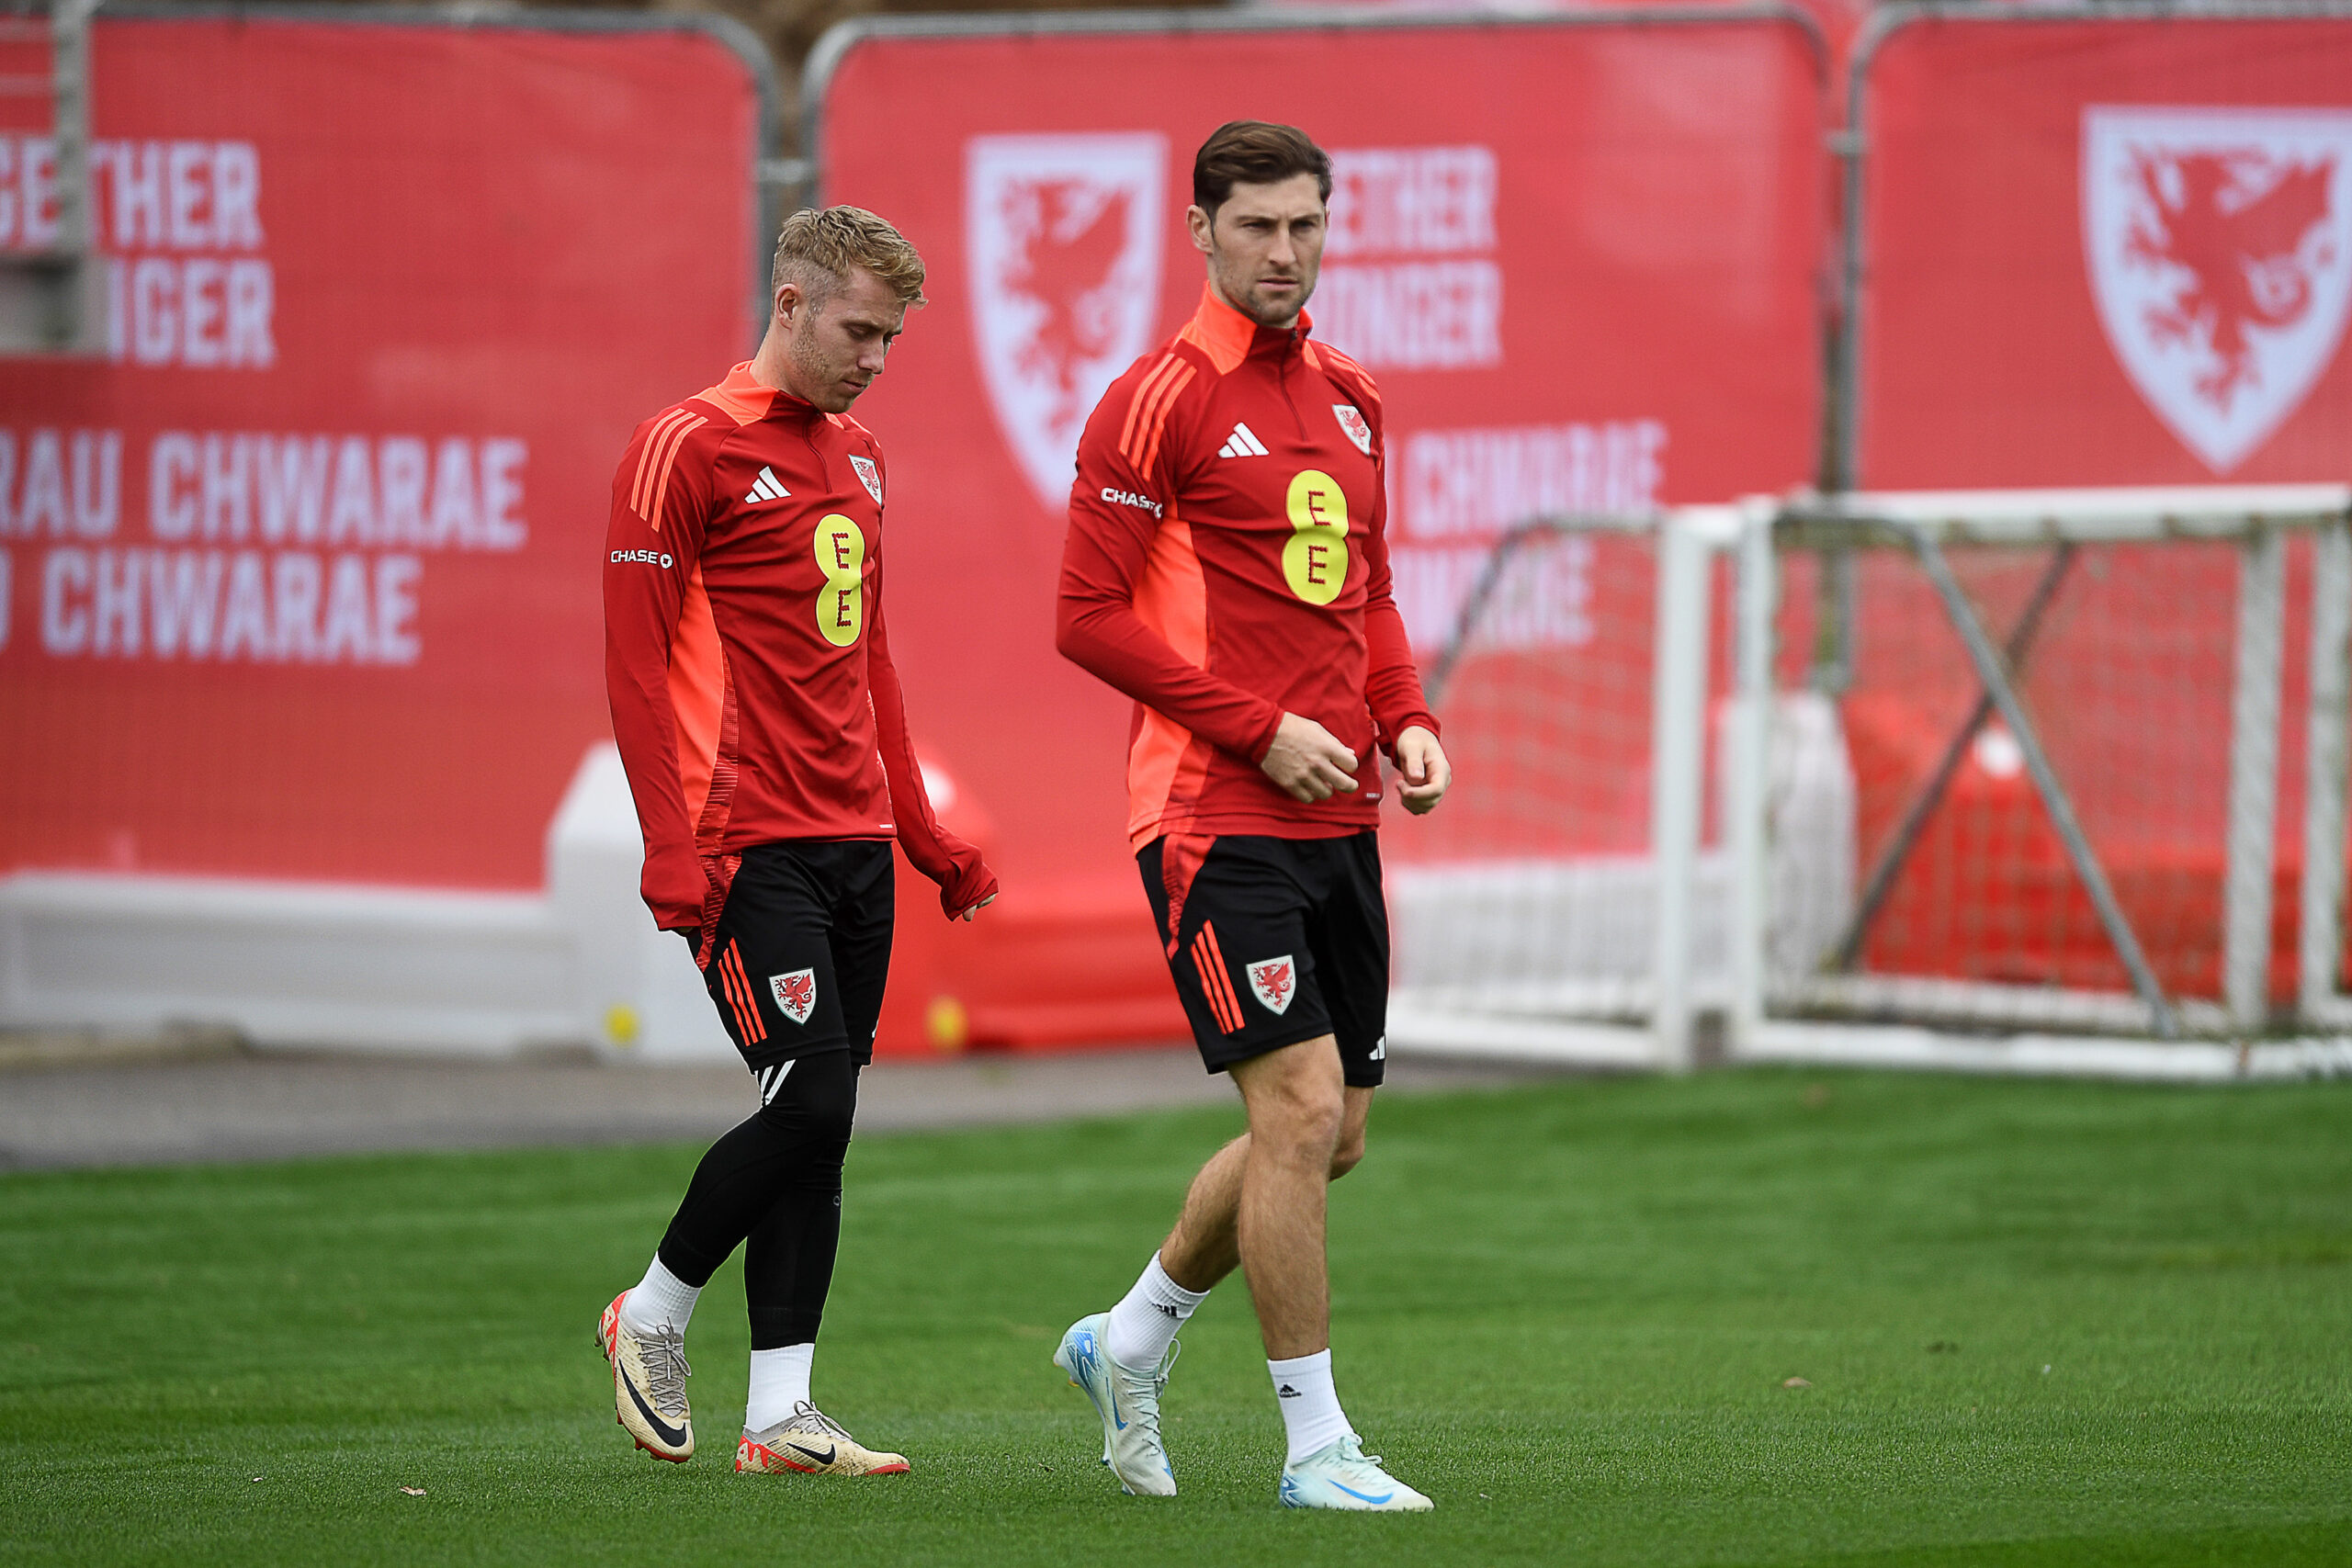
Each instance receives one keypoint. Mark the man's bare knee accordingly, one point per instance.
(1305, 1123)
(1298, 1107)
(1297, 1118)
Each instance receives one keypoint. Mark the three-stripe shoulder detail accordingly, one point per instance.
(1147, 420)
(658, 458)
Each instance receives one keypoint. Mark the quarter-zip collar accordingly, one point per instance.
(748, 398)
(1228, 337)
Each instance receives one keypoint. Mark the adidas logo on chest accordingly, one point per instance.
(1242, 443)
(766, 488)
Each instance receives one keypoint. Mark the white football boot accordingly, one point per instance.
(1344, 1476)
(649, 1375)
(811, 1443)
(1128, 1403)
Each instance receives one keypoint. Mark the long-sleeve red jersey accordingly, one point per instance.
(1227, 563)
(750, 683)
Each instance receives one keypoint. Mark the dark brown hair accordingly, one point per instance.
(1253, 153)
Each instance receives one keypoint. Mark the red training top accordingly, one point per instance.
(1228, 562)
(752, 688)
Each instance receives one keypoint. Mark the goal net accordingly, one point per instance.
(1526, 910)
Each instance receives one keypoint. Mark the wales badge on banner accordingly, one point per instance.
(2219, 249)
(1062, 236)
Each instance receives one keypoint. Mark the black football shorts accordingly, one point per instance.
(1275, 941)
(803, 949)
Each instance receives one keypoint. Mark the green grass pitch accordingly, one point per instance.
(2043, 1323)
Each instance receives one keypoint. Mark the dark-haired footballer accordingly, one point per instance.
(1227, 567)
(761, 722)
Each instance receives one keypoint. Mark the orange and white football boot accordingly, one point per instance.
(650, 1374)
(809, 1442)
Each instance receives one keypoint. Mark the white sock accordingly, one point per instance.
(779, 1381)
(1145, 1321)
(660, 1300)
(1311, 1412)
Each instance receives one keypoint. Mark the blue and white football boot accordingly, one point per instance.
(1344, 1476)
(1128, 1403)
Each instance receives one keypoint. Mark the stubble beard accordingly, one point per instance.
(821, 378)
(1259, 311)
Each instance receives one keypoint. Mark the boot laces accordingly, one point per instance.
(1143, 1389)
(665, 1355)
(806, 1417)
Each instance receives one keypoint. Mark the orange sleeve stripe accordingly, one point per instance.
(646, 457)
(669, 466)
(1174, 388)
(1144, 394)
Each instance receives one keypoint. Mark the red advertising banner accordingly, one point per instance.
(1583, 256)
(2096, 250)
(299, 577)
(2107, 252)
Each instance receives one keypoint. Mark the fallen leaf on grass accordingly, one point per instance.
(1797, 1382)
(413, 1491)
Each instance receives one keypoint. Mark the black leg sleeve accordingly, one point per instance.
(764, 1167)
(789, 1258)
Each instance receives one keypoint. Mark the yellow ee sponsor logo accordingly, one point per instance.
(840, 604)
(1315, 558)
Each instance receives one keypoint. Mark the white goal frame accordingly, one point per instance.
(1962, 1025)
(2014, 1028)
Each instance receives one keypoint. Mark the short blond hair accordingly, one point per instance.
(817, 248)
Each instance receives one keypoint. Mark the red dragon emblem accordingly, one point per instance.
(1063, 259)
(2235, 224)
(796, 994)
(1272, 982)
